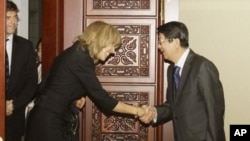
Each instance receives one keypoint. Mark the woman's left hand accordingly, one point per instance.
(80, 102)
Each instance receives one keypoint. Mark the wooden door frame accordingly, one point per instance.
(2, 69)
(52, 31)
(52, 38)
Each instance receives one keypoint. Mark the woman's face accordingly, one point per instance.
(105, 52)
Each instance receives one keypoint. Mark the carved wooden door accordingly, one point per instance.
(131, 75)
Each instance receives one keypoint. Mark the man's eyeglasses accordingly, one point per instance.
(162, 41)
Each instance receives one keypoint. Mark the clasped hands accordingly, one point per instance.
(147, 115)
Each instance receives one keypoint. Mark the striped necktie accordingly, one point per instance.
(177, 77)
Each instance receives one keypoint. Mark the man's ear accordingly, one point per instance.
(176, 41)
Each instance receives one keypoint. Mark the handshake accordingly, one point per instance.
(146, 113)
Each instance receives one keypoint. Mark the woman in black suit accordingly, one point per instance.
(72, 76)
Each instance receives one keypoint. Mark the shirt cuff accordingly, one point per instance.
(155, 118)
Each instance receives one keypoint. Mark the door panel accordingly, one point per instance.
(136, 77)
(134, 61)
(129, 75)
(120, 126)
(122, 7)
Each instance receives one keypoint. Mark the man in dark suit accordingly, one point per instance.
(21, 76)
(195, 103)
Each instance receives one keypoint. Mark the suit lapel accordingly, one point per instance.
(185, 73)
(14, 54)
(170, 92)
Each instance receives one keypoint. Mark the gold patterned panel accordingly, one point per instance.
(121, 7)
(121, 127)
(134, 61)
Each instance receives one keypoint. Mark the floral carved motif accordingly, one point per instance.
(132, 58)
(121, 4)
(120, 126)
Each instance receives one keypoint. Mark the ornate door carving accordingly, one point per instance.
(131, 74)
(134, 61)
(118, 126)
(122, 7)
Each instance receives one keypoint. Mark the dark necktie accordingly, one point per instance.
(7, 74)
(177, 77)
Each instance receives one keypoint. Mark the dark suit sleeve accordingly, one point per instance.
(163, 113)
(212, 91)
(26, 77)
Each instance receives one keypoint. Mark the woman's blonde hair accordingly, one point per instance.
(97, 36)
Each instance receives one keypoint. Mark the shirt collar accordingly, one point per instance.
(10, 37)
(183, 58)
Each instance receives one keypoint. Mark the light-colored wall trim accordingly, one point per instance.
(75, 27)
(171, 14)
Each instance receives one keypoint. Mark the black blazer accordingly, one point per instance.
(197, 109)
(71, 76)
(22, 83)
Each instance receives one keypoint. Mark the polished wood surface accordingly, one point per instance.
(2, 68)
(52, 31)
(133, 75)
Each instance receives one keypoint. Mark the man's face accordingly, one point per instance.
(166, 48)
(11, 22)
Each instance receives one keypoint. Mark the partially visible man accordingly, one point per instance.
(21, 75)
(195, 98)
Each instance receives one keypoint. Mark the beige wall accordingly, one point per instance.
(74, 28)
(220, 30)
